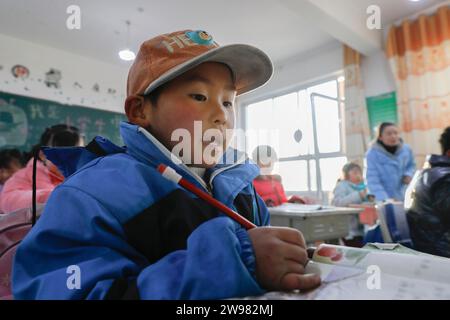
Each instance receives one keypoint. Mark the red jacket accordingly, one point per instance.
(270, 189)
(17, 191)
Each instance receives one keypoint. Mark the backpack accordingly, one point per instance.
(13, 228)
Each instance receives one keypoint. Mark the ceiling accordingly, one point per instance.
(267, 24)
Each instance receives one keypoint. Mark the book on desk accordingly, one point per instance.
(387, 271)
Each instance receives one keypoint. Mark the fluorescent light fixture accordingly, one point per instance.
(127, 55)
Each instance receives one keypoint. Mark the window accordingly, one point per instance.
(314, 162)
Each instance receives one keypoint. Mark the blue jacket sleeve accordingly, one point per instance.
(373, 175)
(76, 230)
(411, 164)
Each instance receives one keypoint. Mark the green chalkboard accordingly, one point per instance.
(382, 108)
(24, 119)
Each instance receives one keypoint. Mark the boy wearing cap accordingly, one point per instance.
(117, 229)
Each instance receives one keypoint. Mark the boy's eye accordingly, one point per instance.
(198, 97)
(227, 104)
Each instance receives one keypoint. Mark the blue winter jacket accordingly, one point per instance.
(385, 171)
(117, 229)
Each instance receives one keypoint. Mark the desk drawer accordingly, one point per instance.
(323, 228)
(278, 221)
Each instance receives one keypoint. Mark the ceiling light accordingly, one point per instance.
(127, 54)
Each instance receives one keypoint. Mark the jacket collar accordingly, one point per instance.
(435, 160)
(377, 146)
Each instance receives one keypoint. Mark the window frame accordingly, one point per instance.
(317, 155)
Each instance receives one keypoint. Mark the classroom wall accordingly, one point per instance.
(79, 75)
(376, 74)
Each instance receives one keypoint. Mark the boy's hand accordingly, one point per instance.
(281, 258)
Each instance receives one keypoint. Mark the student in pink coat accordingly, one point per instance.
(17, 191)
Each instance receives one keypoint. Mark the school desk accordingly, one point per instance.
(316, 222)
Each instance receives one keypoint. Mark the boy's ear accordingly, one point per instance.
(135, 109)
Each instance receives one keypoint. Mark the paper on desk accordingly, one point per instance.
(348, 273)
(330, 273)
(385, 246)
(399, 275)
(303, 207)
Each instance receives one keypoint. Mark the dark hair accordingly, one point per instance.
(7, 156)
(349, 167)
(383, 126)
(445, 140)
(59, 135)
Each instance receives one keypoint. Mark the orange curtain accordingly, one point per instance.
(419, 55)
(356, 119)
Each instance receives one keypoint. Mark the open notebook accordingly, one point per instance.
(354, 274)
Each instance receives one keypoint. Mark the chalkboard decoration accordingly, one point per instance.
(24, 119)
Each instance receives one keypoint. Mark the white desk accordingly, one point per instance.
(317, 223)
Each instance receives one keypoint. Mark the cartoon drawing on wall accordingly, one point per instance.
(96, 87)
(111, 91)
(52, 78)
(76, 85)
(20, 71)
(13, 125)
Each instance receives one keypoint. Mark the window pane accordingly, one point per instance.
(305, 121)
(259, 125)
(328, 88)
(313, 174)
(330, 171)
(327, 120)
(286, 118)
(294, 175)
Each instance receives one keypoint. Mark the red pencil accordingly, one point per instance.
(172, 175)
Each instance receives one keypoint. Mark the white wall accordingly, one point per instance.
(74, 68)
(377, 75)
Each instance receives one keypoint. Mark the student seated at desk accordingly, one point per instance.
(17, 191)
(268, 185)
(351, 189)
(428, 203)
(133, 233)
